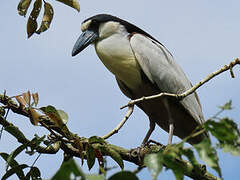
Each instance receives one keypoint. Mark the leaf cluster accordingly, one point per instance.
(32, 24)
(93, 149)
(224, 130)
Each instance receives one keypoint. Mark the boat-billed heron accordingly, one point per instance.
(143, 66)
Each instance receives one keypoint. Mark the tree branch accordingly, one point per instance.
(196, 172)
(115, 130)
(190, 91)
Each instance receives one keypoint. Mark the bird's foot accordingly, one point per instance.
(143, 149)
(139, 152)
(153, 142)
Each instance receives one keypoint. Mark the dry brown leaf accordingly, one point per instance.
(23, 7)
(34, 116)
(27, 97)
(31, 26)
(79, 145)
(72, 3)
(32, 20)
(36, 9)
(21, 101)
(47, 18)
(35, 98)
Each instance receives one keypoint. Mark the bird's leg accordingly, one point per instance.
(170, 133)
(151, 129)
(145, 140)
(170, 122)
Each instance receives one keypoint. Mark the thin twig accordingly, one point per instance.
(191, 90)
(139, 168)
(116, 129)
(34, 162)
(2, 128)
(215, 116)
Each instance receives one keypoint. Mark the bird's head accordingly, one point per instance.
(96, 28)
(102, 26)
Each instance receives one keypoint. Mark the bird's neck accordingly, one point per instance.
(116, 54)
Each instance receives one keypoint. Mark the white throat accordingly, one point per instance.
(114, 50)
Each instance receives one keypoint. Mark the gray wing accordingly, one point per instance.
(160, 67)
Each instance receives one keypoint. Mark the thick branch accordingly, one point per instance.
(198, 172)
(190, 91)
(128, 155)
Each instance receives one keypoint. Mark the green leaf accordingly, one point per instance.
(23, 7)
(72, 3)
(226, 106)
(233, 149)
(2, 111)
(115, 156)
(178, 174)
(47, 18)
(96, 139)
(154, 164)
(66, 169)
(15, 132)
(169, 157)
(36, 141)
(63, 115)
(124, 175)
(227, 133)
(90, 156)
(15, 153)
(14, 170)
(225, 130)
(34, 173)
(12, 164)
(53, 114)
(170, 153)
(208, 154)
(190, 155)
(95, 177)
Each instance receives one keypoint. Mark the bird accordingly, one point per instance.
(142, 67)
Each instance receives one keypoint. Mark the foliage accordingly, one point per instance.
(95, 148)
(32, 24)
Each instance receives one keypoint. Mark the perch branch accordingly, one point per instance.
(191, 90)
(128, 155)
(115, 130)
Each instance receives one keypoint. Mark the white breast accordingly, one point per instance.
(116, 54)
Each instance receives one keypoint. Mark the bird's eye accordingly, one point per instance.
(94, 22)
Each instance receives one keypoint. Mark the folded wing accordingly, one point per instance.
(159, 66)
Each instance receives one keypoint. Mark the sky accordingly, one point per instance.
(202, 36)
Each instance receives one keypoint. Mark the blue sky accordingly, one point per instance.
(202, 35)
